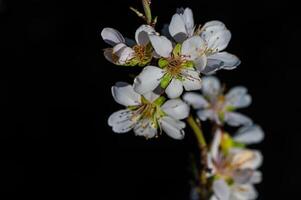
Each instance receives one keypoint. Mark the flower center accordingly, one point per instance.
(139, 51)
(227, 166)
(224, 168)
(175, 66)
(148, 112)
(143, 53)
(144, 111)
(219, 105)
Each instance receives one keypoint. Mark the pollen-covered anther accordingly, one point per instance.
(175, 66)
(140, 51)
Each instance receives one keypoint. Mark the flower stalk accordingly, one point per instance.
(196, 127)
(147, 10)
(198, 132)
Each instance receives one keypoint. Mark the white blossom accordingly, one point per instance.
(216, 106)
(182, 25)
(215, 35)
(148, 113)
(222, 191)
(234, 171)
(121, 53)
(177, 67)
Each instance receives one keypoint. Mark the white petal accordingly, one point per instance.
(243, 176)
(256, 177)
(162, 45)
(173, 128)
(221, 60)
(177, 28)
(210, 28)
(256, 161)
(193, 47)
(214, 150)
(219, 41)
(124, 94)
(249, 135)
(211, 87)
(206, 114)
(148, 79)
(192, 80)
(237, 119)
(121, 121)
(108, 54)
(244, 192)
(221, 189)
(118, 48)
(144, 128)
(189, 21)
(176, 108)
(112, 36)
(174, 89)
(197, 101)
(142, 34)
(125, 55)
(151, 96)
(213, 198)
(238, 97)
(246, 159)
(211, 166)
(200, 63)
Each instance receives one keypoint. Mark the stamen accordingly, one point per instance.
(175, 66)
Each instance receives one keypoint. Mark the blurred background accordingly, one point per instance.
(55, 86)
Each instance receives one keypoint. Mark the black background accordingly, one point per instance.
(55, 100)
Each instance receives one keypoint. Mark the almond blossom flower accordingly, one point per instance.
(216, 106)
(146, 113)
(234, 171)
(177, 67)
(140, 54)
(222, 191)
(182, 25)
(217, 37)
(214, 33)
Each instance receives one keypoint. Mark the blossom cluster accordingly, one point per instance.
(233, 167)
(175, 82)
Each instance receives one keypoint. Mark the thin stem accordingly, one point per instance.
(147, 11)
(198, 132)
(203, 148)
